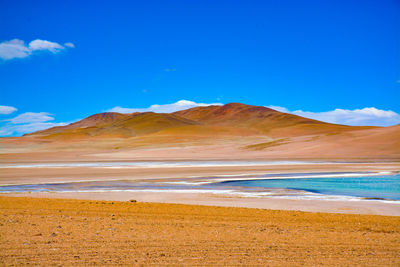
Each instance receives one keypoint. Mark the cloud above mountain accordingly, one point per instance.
(20, 129)
(17, 48)
(28, 122)
(357, 117)
(166, 108)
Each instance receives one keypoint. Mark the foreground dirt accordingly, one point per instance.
(80, 232)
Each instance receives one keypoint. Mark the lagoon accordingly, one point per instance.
(372, 187)
(329, 186)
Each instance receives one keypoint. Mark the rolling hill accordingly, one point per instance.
(116, 125)
(264, 120)
(229, 118)
(230, 131)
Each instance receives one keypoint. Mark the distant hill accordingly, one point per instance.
(230, 118)
(91, 121)
(116, 125)
(265, 120)
(230, 131)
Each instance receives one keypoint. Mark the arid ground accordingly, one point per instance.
(65, 232)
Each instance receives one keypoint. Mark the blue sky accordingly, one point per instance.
(306, 57)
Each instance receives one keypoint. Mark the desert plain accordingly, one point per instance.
(82, 232)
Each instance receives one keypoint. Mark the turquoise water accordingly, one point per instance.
(360, 185)
(379, 187)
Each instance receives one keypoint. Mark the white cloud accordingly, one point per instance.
(167, 108)
(18, 49)
(20, 129)
(7, 109)
(28, 122)
(45, 45)
(31, 117)
(357, 117)
(14, 49)
(71, 45)
(278, 108)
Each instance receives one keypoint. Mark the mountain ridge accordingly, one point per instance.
(231, 131)
(229, 116)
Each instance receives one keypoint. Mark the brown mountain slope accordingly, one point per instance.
(265, 120)
(101, 118)
(230, 119)
(149, 122)
(382, 142)
(94, 120)
(116, 125)
(232, 112)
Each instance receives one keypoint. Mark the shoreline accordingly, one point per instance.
(171, 175)
(71, 174)
(199, 180)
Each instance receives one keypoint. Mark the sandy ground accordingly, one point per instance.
(44, 175)
(375, 144)
(77, 232)
(370, 207)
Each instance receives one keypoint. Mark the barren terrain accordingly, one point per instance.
(66, 232)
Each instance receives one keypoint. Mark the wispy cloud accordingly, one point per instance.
(17, 48)
(31, 117)
(357, 117)
(7, 109)
(20, 129)
(70, 45)
(45, 45)
(28, 122)
(279, 108)
(167, 108)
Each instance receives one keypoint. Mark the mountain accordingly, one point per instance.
(265, 120)
(231, 119)
(230, 131)
(91, 121)
(115, 125)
